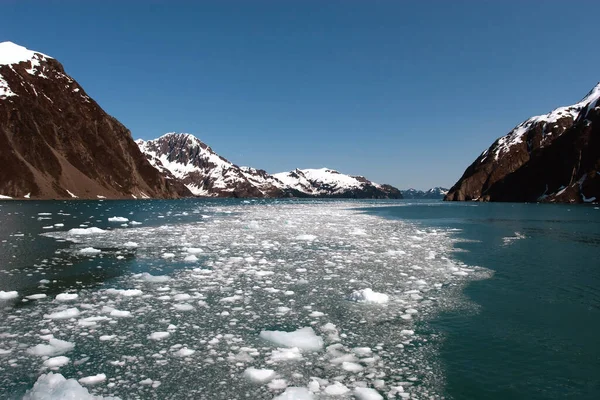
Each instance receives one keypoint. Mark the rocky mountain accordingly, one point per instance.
(185, 158)
(433, 193)
(326, 182)
(56, 141)
(548, 158)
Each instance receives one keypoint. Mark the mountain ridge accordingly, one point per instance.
(437, 192)
(554, 157)
(207, 174)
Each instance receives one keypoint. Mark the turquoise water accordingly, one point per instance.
(481, 300)
(535, 334)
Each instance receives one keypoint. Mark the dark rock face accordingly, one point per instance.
(185, 158)
(56, 142)
(549, 158)
(433, 193)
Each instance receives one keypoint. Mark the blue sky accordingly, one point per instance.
(403, 92)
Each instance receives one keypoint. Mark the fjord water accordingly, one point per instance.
(534, 333)
(482, 300)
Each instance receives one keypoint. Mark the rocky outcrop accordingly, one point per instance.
(56, 141)
(433, 193)
(183, 157)
(548, 158)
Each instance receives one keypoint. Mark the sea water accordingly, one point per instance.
(249, 299)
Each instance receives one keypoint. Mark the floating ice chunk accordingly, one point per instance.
(64, 314)
(308, 238)
(66, 296)
(105, 338)
(286, 354)
(362, 351)
(86, 231)
(56, 387)
(190, 258)
(53, 348)
(168, 255)
(183, 307)
(118, 219)
(92, 380)
(367, 394)
(91, 321)
(8, 295)
(231, 299)
(358, 232)
(130, 245)
(182, 297)
(36, 296)
(259, 375)
(303, 338)
(125, 292)
(295, 393)
(194, 250)
(56, 362)
(153, 278)
(277, 384)
(369, 296)
(184, 352)
(120, 314)
(351, 367)
(316, 314)
(90, 250)
(337, 389)
(4, 352)
(158, 335)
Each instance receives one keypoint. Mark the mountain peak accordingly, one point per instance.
(12, 53)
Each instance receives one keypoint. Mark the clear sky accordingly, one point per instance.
(403, 92)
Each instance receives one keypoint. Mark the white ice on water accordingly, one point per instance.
(289, 301)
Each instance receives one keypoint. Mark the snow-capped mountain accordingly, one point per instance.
(184, 157)
(433, 193)
(56, 142)
(550, 157)
(326, 182)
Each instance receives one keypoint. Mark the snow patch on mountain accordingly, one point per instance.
(322, 181)
(579, 110)
(11, 53)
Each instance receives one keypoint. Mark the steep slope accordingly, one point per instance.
(184, 157)
(326, 182)
(433, 193)
(551, 157)
(56, 142)
(204, 172)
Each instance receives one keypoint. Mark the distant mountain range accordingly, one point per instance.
(183, 157)
(433, 193)
(548, 158)
(57, 143)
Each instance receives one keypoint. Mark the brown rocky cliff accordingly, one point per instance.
(551, 158)
(55, 139)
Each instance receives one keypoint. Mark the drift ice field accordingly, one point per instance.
(227, 300)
